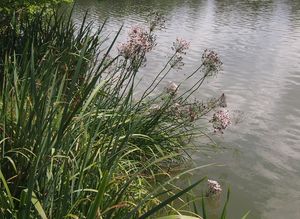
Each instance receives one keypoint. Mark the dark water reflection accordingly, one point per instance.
(259, 42)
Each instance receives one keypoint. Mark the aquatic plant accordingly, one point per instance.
(180, 46)
(213, 187)
(139, 43)
(75, 141)
(220, 120)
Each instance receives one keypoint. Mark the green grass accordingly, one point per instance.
(75, 141)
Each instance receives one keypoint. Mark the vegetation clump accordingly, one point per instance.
(75, 140)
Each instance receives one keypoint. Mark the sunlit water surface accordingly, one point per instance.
(259, 43)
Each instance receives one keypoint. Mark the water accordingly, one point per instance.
(259, 43)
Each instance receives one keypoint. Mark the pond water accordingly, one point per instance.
(259, 44)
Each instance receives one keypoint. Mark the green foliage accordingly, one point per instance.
(75, 141)
(12, 4)
(179, 217)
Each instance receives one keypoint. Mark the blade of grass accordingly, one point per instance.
(224, 212)
(169, 200)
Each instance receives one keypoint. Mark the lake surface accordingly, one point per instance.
(259, 44)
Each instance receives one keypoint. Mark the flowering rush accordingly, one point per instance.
(213, 188)
(139, 42)
(172, 88)
(179, 46)
(211, 61)
(154, 108)
(220, 120)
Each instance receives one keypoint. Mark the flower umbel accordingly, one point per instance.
(211, 62)
(179, 46)
(139, 42)
(172, 88)
(220, 120)
(214, 188)
(154, 108)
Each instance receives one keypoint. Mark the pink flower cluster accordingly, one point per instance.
(139, 42)
(172, 88)
(221, 120)
(213, 188)
(211, 61)
(179, 46)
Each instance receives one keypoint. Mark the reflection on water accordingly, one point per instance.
(259, 42)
